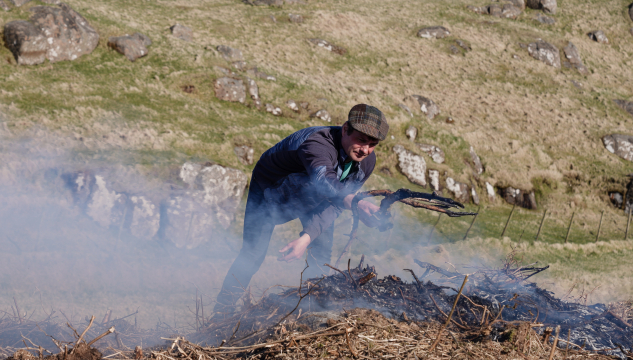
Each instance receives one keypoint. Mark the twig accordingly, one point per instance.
(448, 320)
(551, 354)
(349, 345)
(110, 331)
(92, 319)
(17, 309)
(333, 268)
(350, 274)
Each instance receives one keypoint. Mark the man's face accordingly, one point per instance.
(358, 146)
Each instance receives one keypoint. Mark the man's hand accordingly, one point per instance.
(366, 211)
(298, 247)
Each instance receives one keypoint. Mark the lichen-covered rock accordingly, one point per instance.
(621, 145)
(275, 110)
(68, 35)
(26, 42)
(434, 152)
(434, 180)
(510, 11)
(245, 154)
(625, 105)
(411, 165)
(459, 190)
(599, 36)
(433, 32)
(545, 52)
(573, 56)
(322, 115)
(145, 217)
(473, 194)
(411, 133)
(188, 173)
(477, 166)
(239, 65)
(106, 207)
(522, 198)
(549, 6)
(543, 19)
(182, 32)
(327, 46)
(132, 46)
(426, 105)
(230, 54)
(519, 4)
(292, 105)
(253, 91)
(230, 89)
(295, 18)
(490, 190)
(80, 184)
(223, 190)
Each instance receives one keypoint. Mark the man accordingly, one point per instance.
(312, 175)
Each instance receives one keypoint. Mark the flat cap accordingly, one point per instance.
(369, 120)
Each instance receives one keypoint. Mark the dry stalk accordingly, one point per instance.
(448, 320)
(92, 319)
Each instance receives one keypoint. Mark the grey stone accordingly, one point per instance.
(224, 70)
(459, 190)
(145, 217)
(433, 32)
(434, 152)
(230, 54)
(625, 105)
(253, 91)
(327, 46)
(474, 196)
(245, 154)
(545, 52)
(477, 166)
(490, 191)
(573, 56)
(549, 6)
(106, 207)
(295, 18)
(411, 133)
(262, 75)
(481, 10)
(26, 42)
(510, 11)
(519, 4)
(188, 173)
(223, 190)
(239, 65)
(464, 45)
(599, 36)
(495, 10)
(273, 109)
(322, 115)
(412, 166)
(621, 145)
(4, 6)
(522, 198)
(68, 35)
(434, 180)
(132, 46)
(427, 106)
(230, 89)
(454, 49)
(182, 32)
(80, 184)
(616, 199)
(292, 105)
(544, 19)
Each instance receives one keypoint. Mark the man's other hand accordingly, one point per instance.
(298, 247)
(366, 211)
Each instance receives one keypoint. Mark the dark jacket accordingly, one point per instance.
(300, 177)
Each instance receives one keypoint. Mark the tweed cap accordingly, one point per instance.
(368, 120)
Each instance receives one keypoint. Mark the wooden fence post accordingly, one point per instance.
(628, 222)
(472, 223)
(433, 229)
(508, 221)
(599, 226)
(569, 228)
(541, 226)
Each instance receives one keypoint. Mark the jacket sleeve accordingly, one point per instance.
(316, 222)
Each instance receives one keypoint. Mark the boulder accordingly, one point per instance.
(434, 152)
(132, 46)
(545, 52)
(253, 91)
(292, 105)
(427, 106)
(544, 19)
(411, 165)
(322, 115)
(573, 56)
(625, 105)
(145, 217)
(459, 190)
(616, 199)
(490, 190)
(548, 6)
(223, 189)
(68, 35)
(26, 42)
(295, 18)
(80, 184)
(433, 32)
(273, 109)
(106, 207)
(434, 180)
(477, 166)
(231, 54)
(473, 194)
(262, 75)
(522, 198)
(463, 44)
(4, 6)
(230, 89)
(510, 11)
(411, 133)
(245, 154)
(599, 36)
(621, 145)
(327, 46)
(495, 10)
(188, 173)
(519, 4)
(239, 65)
(481, 10)
(182, 32)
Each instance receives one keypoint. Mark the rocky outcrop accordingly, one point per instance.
(106, 207)
(426, 105)
(327, 46)
(132, 46)
(474, 195)
(621, 145)
(545, 52)
(182, 32)
(275, 110)
(411, 133)
(459, 190)
(625, 105)
(549, 6)
(54, 33)
(522, 198)
(433, 32)
(245, 154)
(434, 180)
(434, 152)
(145, 220)
(322, 115)
(490, 190)
(231, 54)
(230, 89)
(599, 36)
(411, 165)
(476, 162)
(573, 56)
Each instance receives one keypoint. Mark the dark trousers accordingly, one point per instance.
(260, 220)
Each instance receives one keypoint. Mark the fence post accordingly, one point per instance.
(540, 226)
(569, 228)
(508, 221)
(472, 223)
(599, 226)
(626, 233)
(433, 229)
